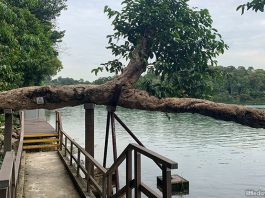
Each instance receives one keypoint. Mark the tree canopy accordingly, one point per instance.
(179, 41)
(28, 38)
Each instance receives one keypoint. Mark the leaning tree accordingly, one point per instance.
(167, 36)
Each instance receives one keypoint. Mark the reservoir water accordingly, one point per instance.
(220, 159)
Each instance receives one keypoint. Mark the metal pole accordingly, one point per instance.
(89, 133)
(8, 130)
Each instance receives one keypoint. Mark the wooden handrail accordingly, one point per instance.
(6, 169)
(11, 166)
(146, 152)
(20, 146)
(166, 163)
(86, 154)
(155, 156)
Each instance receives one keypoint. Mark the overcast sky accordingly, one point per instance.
(86, 26)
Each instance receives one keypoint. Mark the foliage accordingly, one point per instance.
(65, 81)
(256, 5)
(228, 84)
(70, 81)
(46, 10)
(28, 41)
(180, 41)
(102, 80)
(239, 85)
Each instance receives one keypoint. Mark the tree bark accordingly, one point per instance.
(61, 96)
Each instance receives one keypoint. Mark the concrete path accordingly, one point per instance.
(46, 177)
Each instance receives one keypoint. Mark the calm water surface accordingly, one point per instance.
(220, 159)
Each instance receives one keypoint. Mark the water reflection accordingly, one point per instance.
(220, 159)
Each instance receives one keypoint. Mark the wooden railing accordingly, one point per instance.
(104, 188)
(11, 166)
(68, 145)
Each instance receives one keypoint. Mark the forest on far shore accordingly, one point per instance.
(230, 84)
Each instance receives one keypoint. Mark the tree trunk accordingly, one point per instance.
(120, 92)
(61, 96)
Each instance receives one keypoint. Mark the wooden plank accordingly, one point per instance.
(40, 146)
(40, 135)
(38, 127)
(41, 140)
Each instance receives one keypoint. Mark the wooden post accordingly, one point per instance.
(166, 186)
(89, 133)
(8, 130)
(137, 174)
(128, 173)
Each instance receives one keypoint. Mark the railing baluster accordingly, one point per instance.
(56, 122)
(65, 146)
(3, 192)
(137, 174)
(71, 154)
(166, 172)
(59, 128)
(89, 168)
(13, 180)
(128, 173)
(104, 187)
(78, 163)
(109, 185)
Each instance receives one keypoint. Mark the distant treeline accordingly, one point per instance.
(225, 84)
(239, 85)
(70, 81)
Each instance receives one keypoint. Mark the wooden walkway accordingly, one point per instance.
(45, 173)
(38, 126)
(39, 134)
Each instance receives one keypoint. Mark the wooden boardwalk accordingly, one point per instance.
(45, 173)
(38, 126)
(39, 134)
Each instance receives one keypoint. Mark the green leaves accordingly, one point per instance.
(256, 5)
(99, 69)
(27, 40)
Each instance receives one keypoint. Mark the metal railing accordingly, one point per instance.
(131, 155)
(11, 166)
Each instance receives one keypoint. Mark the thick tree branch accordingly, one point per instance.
(60, 96)
(138, 99)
